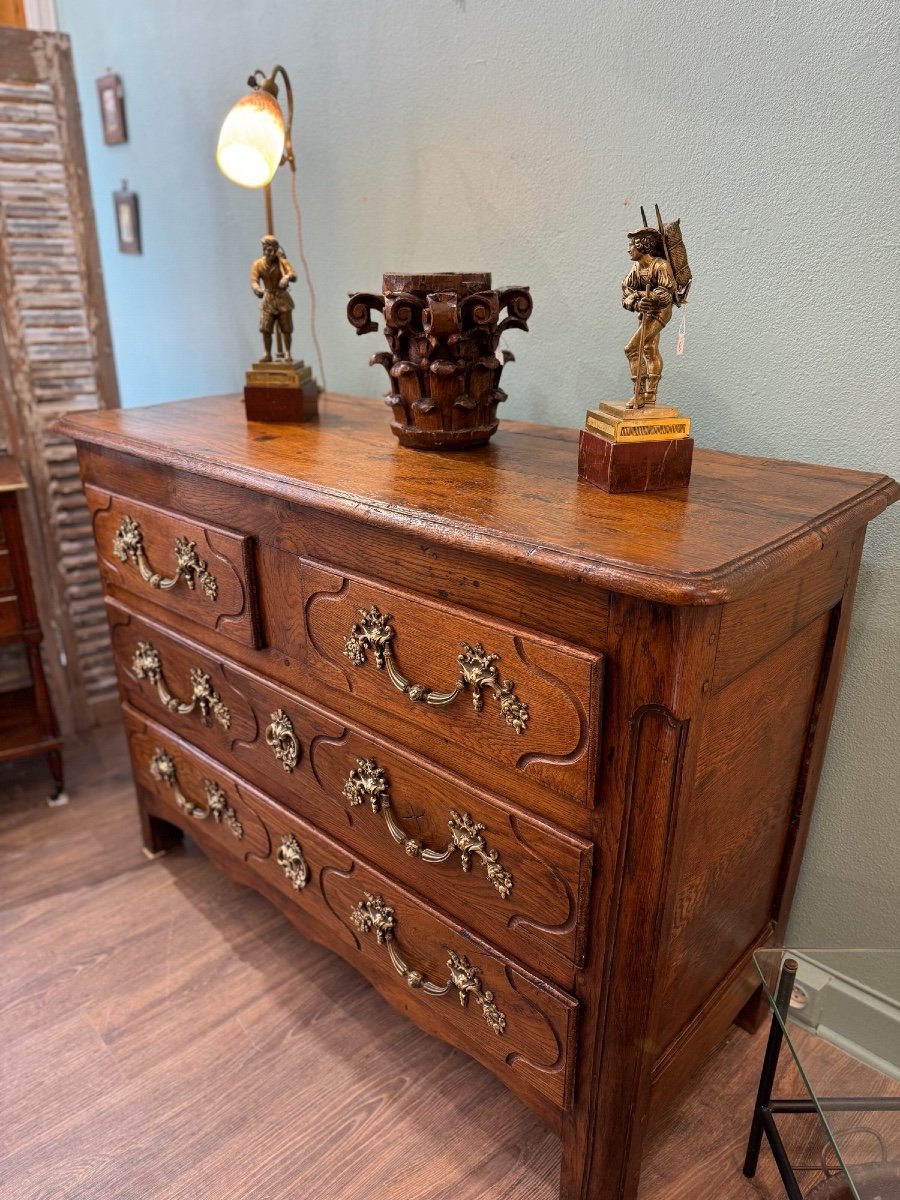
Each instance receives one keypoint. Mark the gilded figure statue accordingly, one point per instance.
(649, 289)
(270, 278)
(659, 278)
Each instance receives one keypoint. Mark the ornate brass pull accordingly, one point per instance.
(281, 737)
(162, 768)
(128, 545)
(476, 669)
(290, 859)
(373, 914)
(369, 782)
(146, 663)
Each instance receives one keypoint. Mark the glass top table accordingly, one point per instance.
(838, 1011)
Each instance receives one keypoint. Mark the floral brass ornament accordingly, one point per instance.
(290, 859)
(220, 810)
(374, 632)
(128, 546)
(372, 914)
(281, 738)
(162, 768)
(146, 663)
(367, 781)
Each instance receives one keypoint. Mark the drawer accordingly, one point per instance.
(431, 968)
(503, 695)
(6, 578)
(196, 570)
(9, 615)
(518, 880)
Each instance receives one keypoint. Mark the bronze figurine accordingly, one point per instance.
(659, 277)
(270, 277)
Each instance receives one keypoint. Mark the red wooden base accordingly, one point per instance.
(282, 403)
(634, 466)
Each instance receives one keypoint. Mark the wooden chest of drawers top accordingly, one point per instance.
(516, 500)
(570, 740)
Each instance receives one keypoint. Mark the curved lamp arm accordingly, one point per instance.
(268, 84)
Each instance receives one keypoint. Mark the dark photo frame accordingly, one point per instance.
(112, 109)
(128, 225)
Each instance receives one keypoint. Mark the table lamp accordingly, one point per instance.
(254, 141)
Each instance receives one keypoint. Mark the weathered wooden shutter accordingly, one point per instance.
(55, 356)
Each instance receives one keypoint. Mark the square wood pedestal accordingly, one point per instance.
(281, 391)
(634, 466)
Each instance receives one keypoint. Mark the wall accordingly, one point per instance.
(521, 137)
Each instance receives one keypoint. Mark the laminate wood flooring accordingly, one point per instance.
(167, 1035)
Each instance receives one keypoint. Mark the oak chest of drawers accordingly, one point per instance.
(537, 760)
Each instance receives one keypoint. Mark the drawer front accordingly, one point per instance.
(158, 558)
(9, 615)
(6, 578)
(432, 969)
(502, 694)
(519, 881)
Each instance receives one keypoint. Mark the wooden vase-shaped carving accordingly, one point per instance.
(445, 359)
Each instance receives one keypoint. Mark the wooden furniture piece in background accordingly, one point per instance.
(27, 722)
(537, 760)
(55, 358)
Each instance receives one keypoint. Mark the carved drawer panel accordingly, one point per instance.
(199, 572)
(519, 881)
(428, 966)
(509, 696)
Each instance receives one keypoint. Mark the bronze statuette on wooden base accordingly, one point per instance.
(445, 359)
(277, 388)
(639, 446)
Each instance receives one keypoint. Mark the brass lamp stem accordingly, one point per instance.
(270, 223)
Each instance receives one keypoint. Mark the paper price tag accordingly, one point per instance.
(682, 333)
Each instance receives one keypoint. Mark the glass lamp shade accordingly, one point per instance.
(251, 141)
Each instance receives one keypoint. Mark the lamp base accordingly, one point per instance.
(652, 466)
(281, 391)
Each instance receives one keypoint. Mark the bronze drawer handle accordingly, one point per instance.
(162, 768)
(128, 544)
(290, 859)
(369, 782)
(373, 914)
(282, 739)
(146, 663)
(476, 669)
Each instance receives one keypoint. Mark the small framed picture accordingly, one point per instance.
(127, 220)
(112, 109)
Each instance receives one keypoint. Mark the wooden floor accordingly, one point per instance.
(167, 1035)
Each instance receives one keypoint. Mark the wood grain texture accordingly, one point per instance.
(660, 590)
(560, 684)
(740, 812)
(230, 611)
(515, 499)
(533, 1054)
(543, 921)
(163, 1034)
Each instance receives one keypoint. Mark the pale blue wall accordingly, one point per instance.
(520, 136)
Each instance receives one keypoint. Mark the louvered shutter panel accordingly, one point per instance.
(55, 332)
